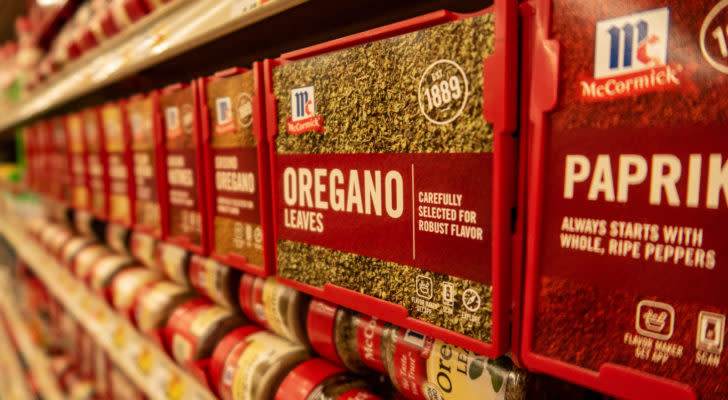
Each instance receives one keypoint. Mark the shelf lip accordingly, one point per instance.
(44, 378)
(171, 30)
(104, 325)
(13, 383)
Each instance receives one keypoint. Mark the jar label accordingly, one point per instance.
(430, 369)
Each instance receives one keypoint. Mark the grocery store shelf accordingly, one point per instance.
(150, 368)
(169, 31)
(40, 363)
(12, 379)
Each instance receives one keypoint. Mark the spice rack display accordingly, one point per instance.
(360, 266)
(102, 323)
(43, 377)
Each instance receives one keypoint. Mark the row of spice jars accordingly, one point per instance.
(419, 366)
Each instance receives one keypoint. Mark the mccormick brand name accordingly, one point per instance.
(303, 112)
(630, 57)
(174, 128)
(224, 122)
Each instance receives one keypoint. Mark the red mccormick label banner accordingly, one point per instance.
(236, 182)
(118, 174)
(146, 187)
(403, 208)
(96, 183)
(184, 209)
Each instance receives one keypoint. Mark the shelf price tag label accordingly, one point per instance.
(242, 6)
(143, 358)
(174, 388)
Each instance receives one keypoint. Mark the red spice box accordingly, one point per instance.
(59, 161)
(237, 169)
(146, 138)
(77, 161)
(98, 163)
(30, 154)
(118, 149)
(41, 146)
(184, 219)
(393, 159)
(628, 203)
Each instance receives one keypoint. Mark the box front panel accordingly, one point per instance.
(636, 191)
(140, 113)
(234, 158)
(119, 201)
(96, 162)
(384, 169)
(185, 219)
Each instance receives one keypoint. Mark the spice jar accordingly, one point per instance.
(106, 269)
(126, 285)
(53, 237)
(87, 257)
(117, 238)
(223, 349)
(71, 249)
(83, 222)
(196, 327)
(346, 337)
(35, 227)
(215, 280)
(56, 243)
(424, 368)
(156, 302)
(317, 379)
(253, 367)
(143, 248)
(174, 262)
(275, 306)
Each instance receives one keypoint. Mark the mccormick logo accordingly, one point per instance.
(137, 127)
(630, 57)
(224, 122)
(174, 128)
(303, 112)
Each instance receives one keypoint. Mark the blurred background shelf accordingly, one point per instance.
(38, 361)
(148, 366)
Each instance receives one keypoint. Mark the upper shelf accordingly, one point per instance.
(169, 31)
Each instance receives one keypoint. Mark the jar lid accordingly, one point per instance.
(303, 379)
(182, 316)
(320, 323)
(223, 349)
(251, 286)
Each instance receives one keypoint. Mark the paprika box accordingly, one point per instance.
(392, 156)
(628, 197)
(98, 163)
(118, 150)
(184, 216)
(141, 119)
(77, 162)
(237, 169)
